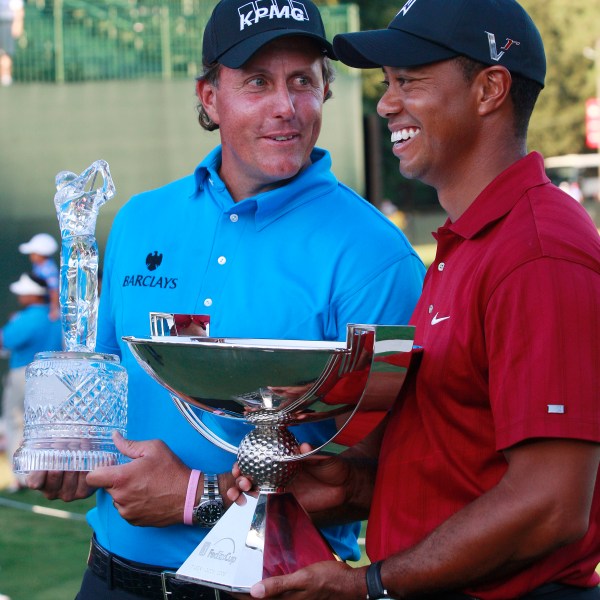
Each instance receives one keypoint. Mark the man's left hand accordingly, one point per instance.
(328, 580)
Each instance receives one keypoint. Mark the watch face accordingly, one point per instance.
(209, 512)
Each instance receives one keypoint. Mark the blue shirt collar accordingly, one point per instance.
(311, 183)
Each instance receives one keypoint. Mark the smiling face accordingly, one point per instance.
(269, 115)
(432, 115)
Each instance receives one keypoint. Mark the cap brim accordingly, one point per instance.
(24, 249)
(387, 48)
(24, 289)
(241, 53)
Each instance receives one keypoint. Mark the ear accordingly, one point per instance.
(207, 96)
(494, 88)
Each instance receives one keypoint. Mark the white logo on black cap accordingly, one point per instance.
(252, 12)
(406, 8)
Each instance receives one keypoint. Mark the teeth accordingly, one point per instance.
(283, 138)
(404, 134)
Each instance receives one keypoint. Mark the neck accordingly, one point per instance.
(242, 189)
(460, 190)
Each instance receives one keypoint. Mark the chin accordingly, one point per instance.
(282, 173)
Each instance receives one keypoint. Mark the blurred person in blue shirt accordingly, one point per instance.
(28, 331)
(40, 248)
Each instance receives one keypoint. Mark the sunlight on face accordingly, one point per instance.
(269, 115)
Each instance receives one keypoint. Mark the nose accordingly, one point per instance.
(284, 102)
(388, 104)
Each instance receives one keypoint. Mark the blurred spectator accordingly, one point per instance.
(40, 248)
(394, 214)
(12, 14)
(572, 188)
(28, 331)
(575, 191)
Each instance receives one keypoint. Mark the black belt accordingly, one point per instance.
(145, 580)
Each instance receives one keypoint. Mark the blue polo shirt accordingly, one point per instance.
(29, 331)
(298, 262)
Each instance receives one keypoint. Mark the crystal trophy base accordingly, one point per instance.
(266, 537)
(73, 403)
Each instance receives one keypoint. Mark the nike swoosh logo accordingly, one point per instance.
(435, 319)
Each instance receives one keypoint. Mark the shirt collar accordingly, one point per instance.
(207, 171)
(500, 196)
(311, 183)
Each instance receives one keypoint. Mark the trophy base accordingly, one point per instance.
(268, 536)
(65, 455)
(73, 403)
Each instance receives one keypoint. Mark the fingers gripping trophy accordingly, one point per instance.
(76, 398)
(277, 388)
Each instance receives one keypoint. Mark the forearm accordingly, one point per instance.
(54, 299)
(18, 22)
(510, 527)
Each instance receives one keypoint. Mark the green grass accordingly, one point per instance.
(42, 557)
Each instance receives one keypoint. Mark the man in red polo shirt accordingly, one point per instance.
(483, 482)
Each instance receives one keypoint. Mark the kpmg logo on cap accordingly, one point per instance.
(252, 12)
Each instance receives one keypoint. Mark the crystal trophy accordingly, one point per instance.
(277, 388)
(76, 398)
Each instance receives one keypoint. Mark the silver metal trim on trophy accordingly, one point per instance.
(270, 385)
(75, 399)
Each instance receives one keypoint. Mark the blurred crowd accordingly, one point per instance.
(33, 327)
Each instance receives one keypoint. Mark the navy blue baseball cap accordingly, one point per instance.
(493, 32)
(237, 29)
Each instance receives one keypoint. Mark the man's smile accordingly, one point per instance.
(404, 134)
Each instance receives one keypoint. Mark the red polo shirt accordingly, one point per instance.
(509, 321)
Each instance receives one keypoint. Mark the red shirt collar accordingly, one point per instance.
(500, 196)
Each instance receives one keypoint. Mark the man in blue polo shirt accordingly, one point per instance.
(264, 239)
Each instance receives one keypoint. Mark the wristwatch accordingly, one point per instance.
(375, 589)
(210, 508)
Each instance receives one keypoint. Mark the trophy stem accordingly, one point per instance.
(292, 542)
(267, 536)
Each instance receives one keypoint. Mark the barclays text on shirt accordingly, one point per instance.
(150, 281)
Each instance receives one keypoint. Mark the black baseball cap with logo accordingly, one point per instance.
(426, 31)
(237, 29)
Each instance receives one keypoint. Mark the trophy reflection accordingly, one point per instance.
(75, 399)
(271, 385)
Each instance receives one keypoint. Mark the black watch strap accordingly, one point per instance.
(375, 587)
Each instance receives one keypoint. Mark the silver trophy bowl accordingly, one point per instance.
(270, 384)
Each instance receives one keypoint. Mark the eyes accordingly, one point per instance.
(258, 82)
(402, 82)
(298, 81)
